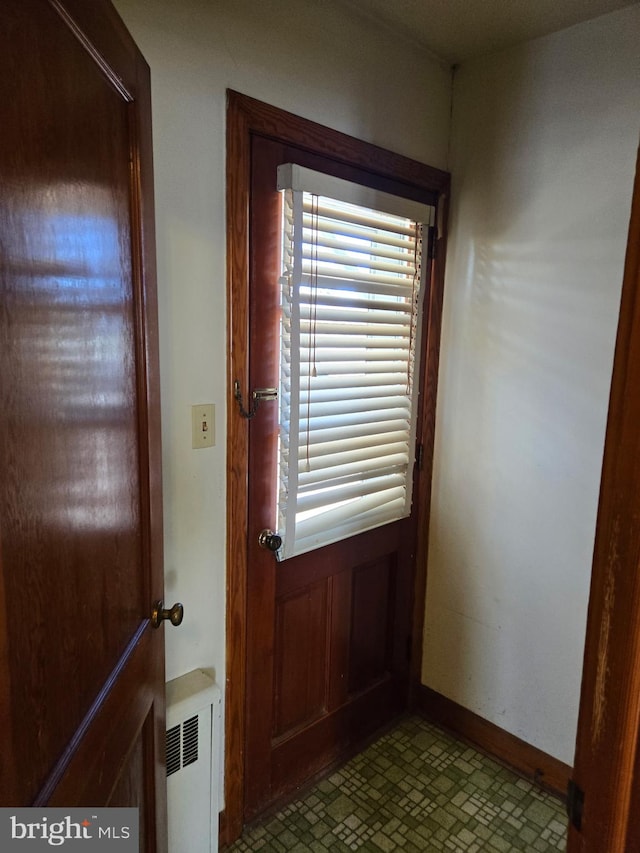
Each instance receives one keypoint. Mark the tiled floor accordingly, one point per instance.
(416, 789)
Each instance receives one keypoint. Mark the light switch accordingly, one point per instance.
(203, 433)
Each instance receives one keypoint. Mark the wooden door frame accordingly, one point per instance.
(247, 116)
(607, 766)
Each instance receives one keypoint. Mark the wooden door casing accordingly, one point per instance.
(607, 762)
(80, 484)
(328, 633)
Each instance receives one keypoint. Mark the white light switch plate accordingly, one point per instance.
(203, 433)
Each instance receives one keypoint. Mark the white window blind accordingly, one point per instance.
(352, 283)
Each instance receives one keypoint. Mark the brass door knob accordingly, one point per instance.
(159, 614)
(269, 540)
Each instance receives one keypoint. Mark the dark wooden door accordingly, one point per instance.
(81, 669)
(328, 632)
(607, 762)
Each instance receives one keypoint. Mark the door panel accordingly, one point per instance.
(327, 631)
(79, 443)
(131, 787)
(130, 783)
(302, 634)
(297, 759)
(372, 623)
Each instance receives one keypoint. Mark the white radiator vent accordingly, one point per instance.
(182, 745)
(174, 753)
(193, 758)
(190, 741)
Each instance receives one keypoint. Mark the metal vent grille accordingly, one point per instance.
(182, 745)
(173, 750)
(190, 741)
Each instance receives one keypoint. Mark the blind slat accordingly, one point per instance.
(359, 302)
(351, 341)
(331, 408)
(366, 220)
(351, 419)
(364, 443)
(337, 494)
(334, 328)
(372, 394)
(325, 473)
(399, 287)
(327, 226)
(357, 430)
(337, 242)
(338, 355)
(325, 270)
(372, 510)
(343, 382)
(357, 368)
(348, 259)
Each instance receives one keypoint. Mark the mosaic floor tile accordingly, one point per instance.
(418, 790)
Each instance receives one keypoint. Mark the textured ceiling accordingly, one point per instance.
(455, 30)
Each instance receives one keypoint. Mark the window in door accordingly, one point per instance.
(352, 284)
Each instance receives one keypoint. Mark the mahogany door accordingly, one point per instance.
(81, 668)
(328, 632)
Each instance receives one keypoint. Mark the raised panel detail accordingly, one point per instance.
(371, 636)
(131, 788)
(301, 651)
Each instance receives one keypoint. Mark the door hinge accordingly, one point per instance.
(575, 804)
(420, 456)
(409, 647)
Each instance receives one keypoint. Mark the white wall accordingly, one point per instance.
(311, 57)
(543, 154)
